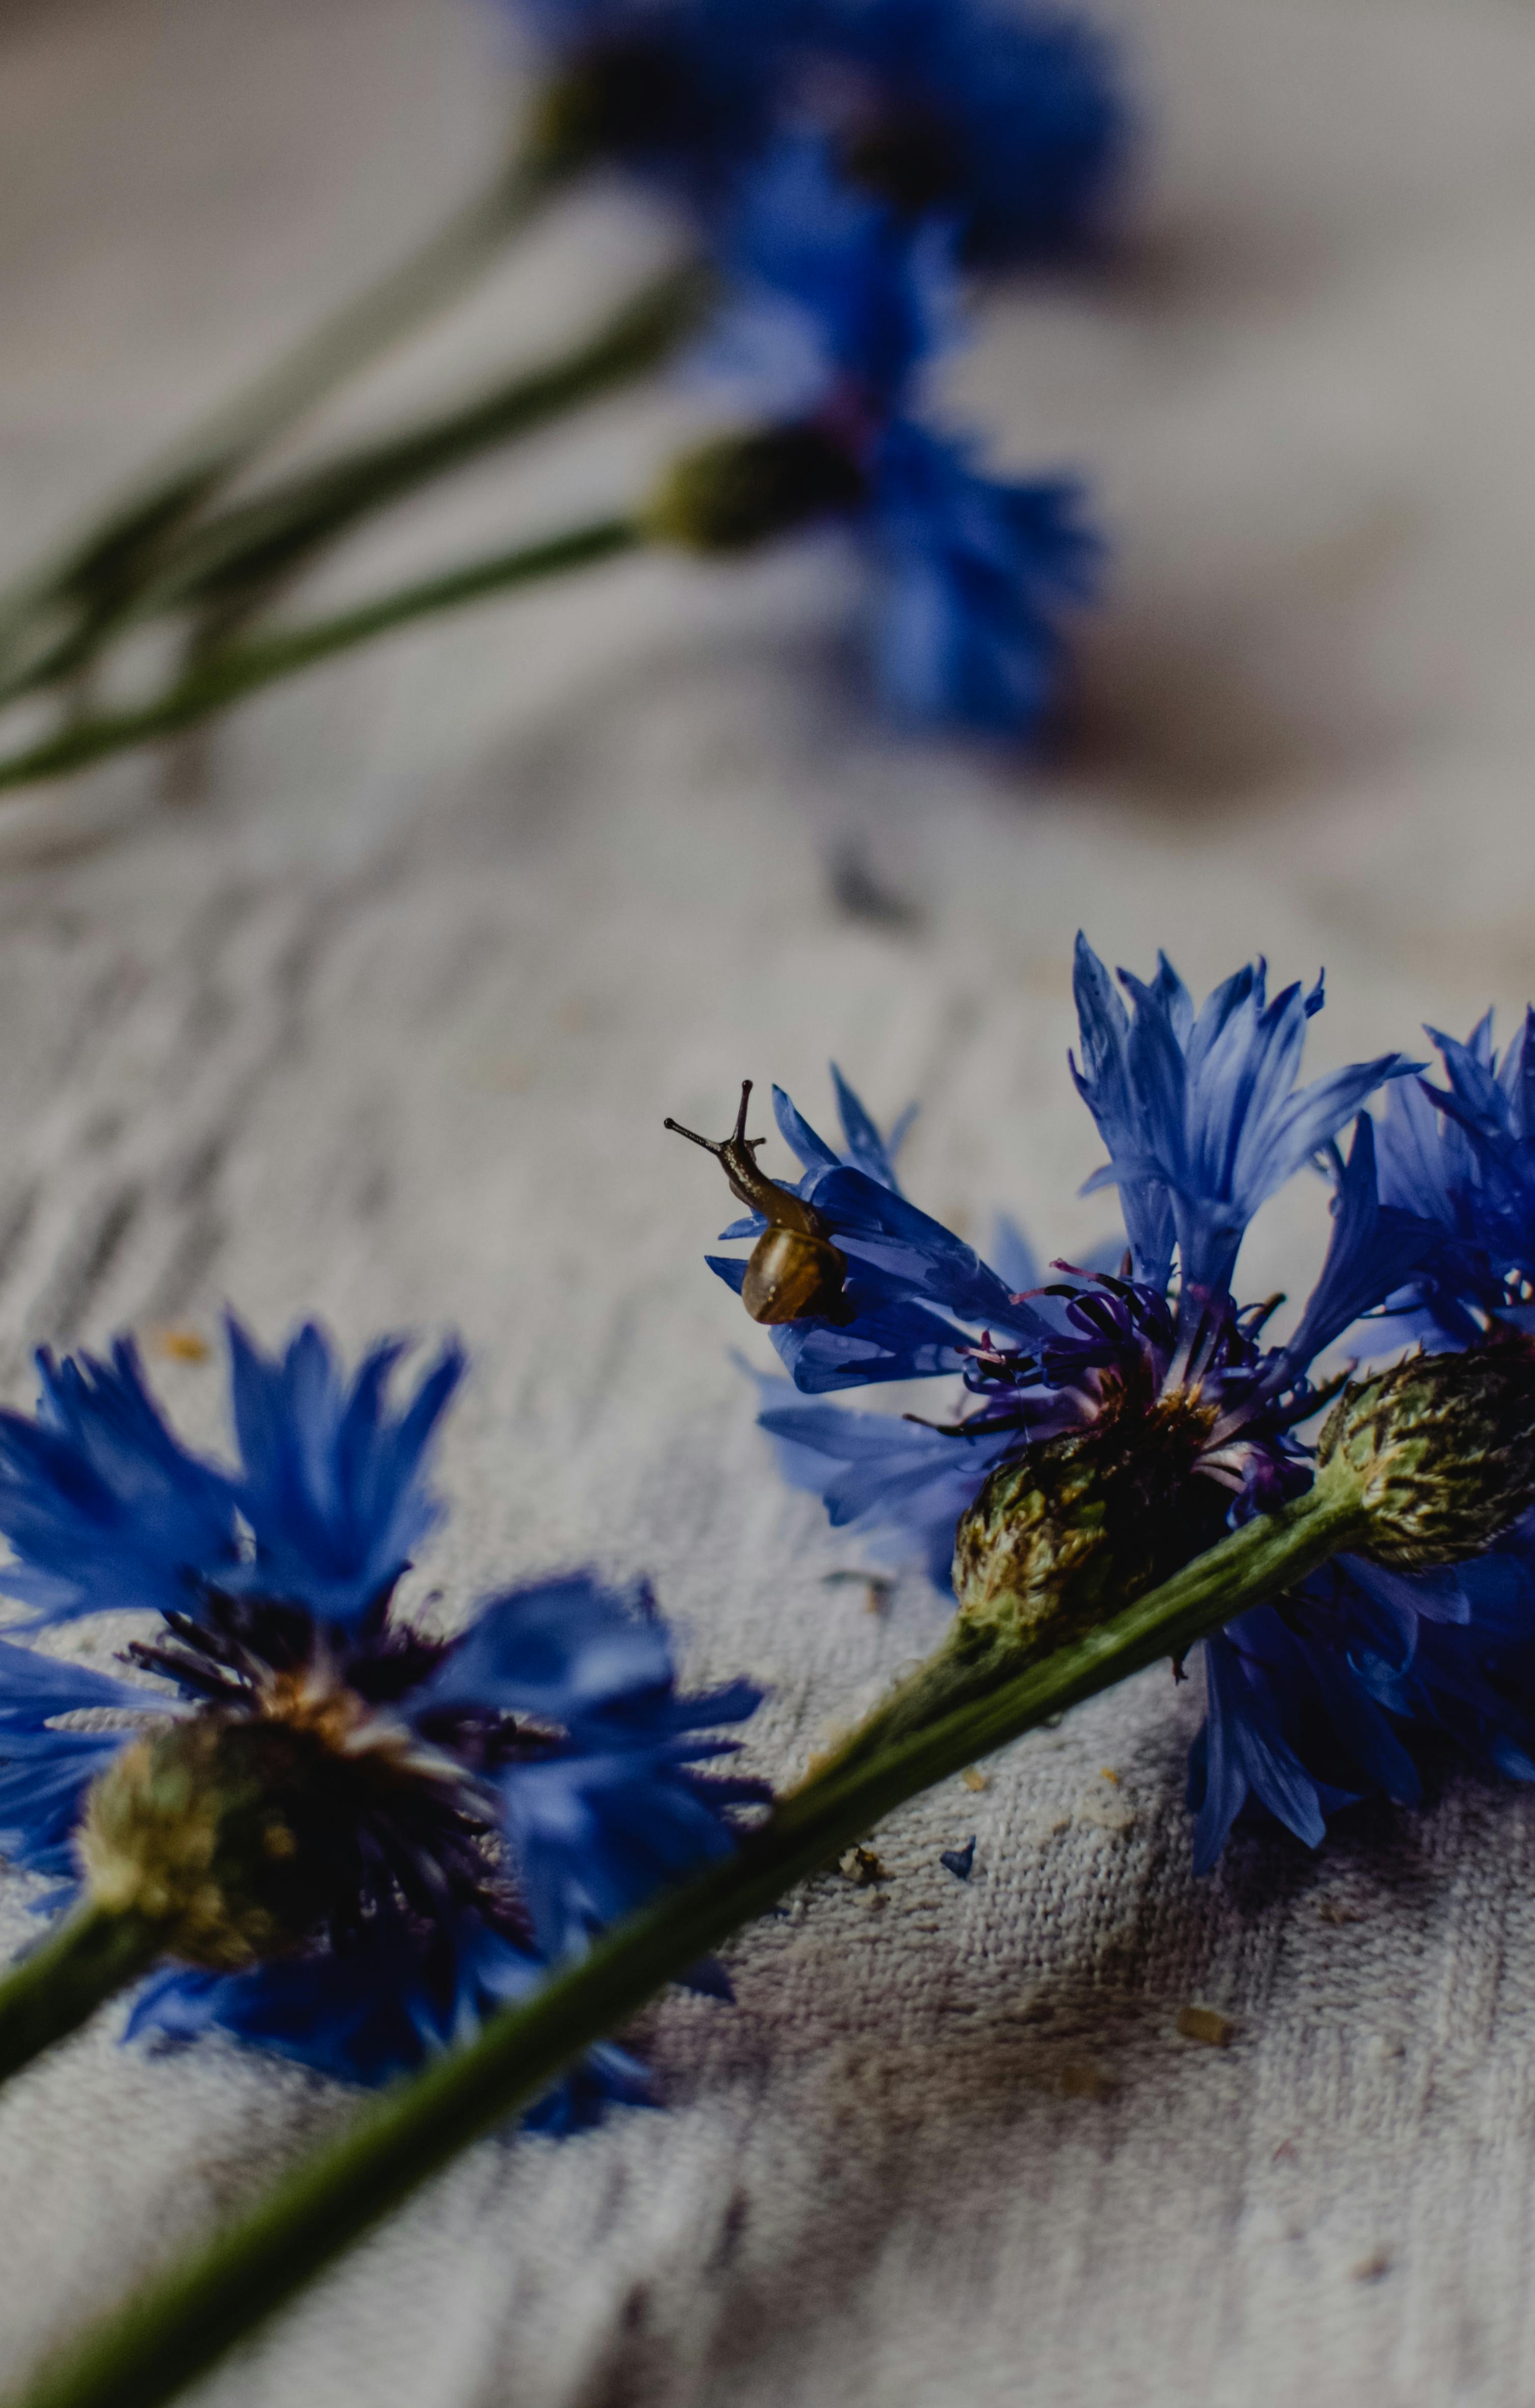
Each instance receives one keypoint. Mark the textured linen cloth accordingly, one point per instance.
(381, 1019)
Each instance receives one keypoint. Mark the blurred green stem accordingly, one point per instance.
(55, 614)
(212, 683)
(279, 530)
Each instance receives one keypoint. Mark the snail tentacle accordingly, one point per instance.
(780, 1207)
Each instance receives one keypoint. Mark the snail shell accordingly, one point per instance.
(793, 1277)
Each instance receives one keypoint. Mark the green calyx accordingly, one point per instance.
(617, 96)
(737, 490)
(1060, 1540)
(1078, 1526)
(1442, 1450)
(207, 1830)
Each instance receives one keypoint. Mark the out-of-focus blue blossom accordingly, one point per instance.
(838, 305)
(1009, 123)
(972, 575)
(528, 1781)
(1311, 1700)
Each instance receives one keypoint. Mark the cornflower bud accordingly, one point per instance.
(605, 102)
(212, 1829)
(1443, 1448)
(737, 490)
(1080, 1524)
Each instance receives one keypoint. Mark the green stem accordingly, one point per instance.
(280, 528)
(64, 602)
(227, 675)
(182, 2324)
(86, 1962)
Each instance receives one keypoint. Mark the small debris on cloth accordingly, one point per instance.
(959, 1860)
(974, 1779)
(1082, 2079)
(1107, 1773)
(181, 1345)
(877, 1586)
(1336, 1910)
(861, 1867)
(1097, 1813)
(1206, 2024)
(1371, 2269)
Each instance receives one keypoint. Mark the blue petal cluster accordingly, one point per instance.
(551, 1770)
(1312, 1702)
(839, 303)
(1464, 1156)
(845, 154)
(1010, 123)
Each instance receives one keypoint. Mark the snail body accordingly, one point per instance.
(794, 1272)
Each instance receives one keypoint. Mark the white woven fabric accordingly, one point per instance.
(386, 1029)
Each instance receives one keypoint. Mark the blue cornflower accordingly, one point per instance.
(838, 307)
(1013, 122)
(1309, 1699)
(1011, 125)
(469, 1810)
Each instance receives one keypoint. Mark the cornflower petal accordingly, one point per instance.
(972, 574)
(332, 1487)
(381, 2009)
(837, 298)
(45, 1770)
(1373, 1251)
(104, 1507)
(1012, 118)
(903, 1485)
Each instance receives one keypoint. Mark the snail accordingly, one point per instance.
(795, 1272)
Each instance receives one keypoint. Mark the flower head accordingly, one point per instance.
(1188, 1417)
(1010, 121)
(1011, 125)
(357, 1837)
(838, 305)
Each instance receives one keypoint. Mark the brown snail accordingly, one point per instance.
(795, 1272)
